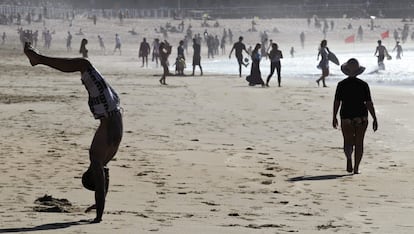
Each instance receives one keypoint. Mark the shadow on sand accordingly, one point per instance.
(44, 227)
(322, 177)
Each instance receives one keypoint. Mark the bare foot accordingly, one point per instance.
(31, 54)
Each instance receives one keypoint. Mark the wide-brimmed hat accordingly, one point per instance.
(352, 68)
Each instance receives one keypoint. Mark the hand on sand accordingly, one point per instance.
(92, 207)
(31, 54)
(96, 220)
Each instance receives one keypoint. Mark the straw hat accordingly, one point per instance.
(352, 68)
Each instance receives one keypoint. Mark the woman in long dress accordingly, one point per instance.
(255, 76)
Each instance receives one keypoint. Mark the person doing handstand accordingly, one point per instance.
(105, 106)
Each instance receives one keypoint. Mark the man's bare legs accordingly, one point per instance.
(103, 148)
(61, 64)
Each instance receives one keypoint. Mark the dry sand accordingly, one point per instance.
(201, 155)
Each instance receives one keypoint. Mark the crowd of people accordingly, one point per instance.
(215, 45)
(105, 106)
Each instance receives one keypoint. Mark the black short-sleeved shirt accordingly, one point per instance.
(239, 47)
(353, 94)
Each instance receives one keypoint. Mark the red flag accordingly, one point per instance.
(350, 39)
(385, 34)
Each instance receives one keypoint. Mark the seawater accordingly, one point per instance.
(397, 71)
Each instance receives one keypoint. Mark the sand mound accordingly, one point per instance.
(47, 203)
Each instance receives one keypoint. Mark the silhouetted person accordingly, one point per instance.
(117, 43)
(324, 63)
(101, 43)
(302, 39)
(3, 38)
(292, 52)
(399, 50)
(230, 33)
(144, 50)
(360, 33)
(354, 98)
(165, 51)
(275, 55)
(69, 42)
(255, 76)
(83, 49)
(396, 35)
(239, 47)
(381, 52)
(197, 56)
(180, 60)
(104, 105)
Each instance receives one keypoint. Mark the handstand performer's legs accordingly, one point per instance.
(103, 148)
(61, 64)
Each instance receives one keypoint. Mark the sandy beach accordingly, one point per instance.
(202, 155)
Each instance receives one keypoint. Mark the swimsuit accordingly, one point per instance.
(103, 100)
(356, 122)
